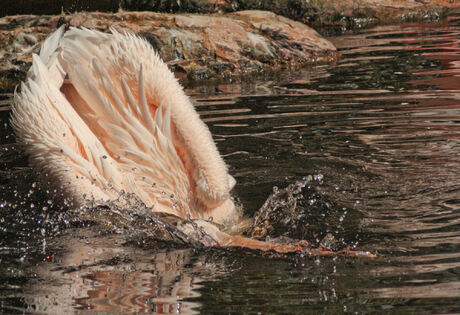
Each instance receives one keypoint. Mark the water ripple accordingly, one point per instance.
(382, 127)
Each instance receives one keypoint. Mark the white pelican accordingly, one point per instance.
(101, 113)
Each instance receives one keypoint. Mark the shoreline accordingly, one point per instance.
(218, 46)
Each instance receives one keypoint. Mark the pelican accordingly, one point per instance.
(100, 114)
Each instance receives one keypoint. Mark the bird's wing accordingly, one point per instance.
(104, 109)
(57, 140)
(132, 102)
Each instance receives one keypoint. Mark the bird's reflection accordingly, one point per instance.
(99, 273)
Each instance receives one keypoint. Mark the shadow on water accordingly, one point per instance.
(379, 136)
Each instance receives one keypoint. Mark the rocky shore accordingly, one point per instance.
(326, 15)
(195, 46)
(218, 40)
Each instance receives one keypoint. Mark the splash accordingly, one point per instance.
(298, 214)
(140, 225)
(301, 212)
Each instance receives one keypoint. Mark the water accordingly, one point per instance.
(381, 132)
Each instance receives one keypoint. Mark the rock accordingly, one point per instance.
(320, 14)
(194, 46)
(339, 15)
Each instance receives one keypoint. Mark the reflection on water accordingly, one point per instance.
(382, 128)
(100, 274)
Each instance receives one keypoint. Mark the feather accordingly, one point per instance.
(122, 123)
(126, 121)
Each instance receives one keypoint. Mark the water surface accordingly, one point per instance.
(381, 132)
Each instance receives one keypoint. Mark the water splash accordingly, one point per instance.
(301, 212)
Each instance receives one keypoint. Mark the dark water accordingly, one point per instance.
(381, 132)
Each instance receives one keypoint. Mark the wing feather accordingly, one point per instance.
(119, 121)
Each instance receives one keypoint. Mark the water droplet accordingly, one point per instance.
(318, 177)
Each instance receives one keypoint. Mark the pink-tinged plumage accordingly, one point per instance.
(101, 113)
